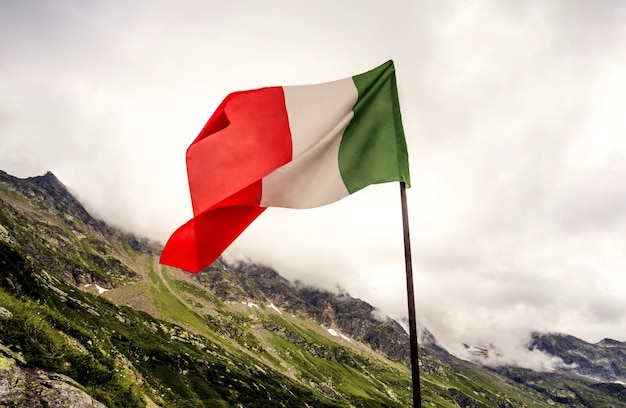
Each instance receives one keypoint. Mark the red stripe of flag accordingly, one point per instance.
(247, 138)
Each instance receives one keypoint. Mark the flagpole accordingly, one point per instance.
(415, 371)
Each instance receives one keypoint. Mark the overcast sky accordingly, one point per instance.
(514, 114)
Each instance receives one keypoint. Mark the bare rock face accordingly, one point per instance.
(33, 388)
(605, 361)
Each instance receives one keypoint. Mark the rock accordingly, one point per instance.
(32, 388)
(604, 361)
(5, 314)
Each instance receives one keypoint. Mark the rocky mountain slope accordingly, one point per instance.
(89, 318)
(604, 361)
(339, 312)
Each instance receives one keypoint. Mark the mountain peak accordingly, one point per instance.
(603, 361)
(49, 182)
(610, 343)
(49, 175)
(49, 194)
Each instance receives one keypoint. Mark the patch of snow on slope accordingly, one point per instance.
(100, 289)
(334, 332)
(251, 305)
(275, 308)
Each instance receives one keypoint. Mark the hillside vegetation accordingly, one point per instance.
(88, 317)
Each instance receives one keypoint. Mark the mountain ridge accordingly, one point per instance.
(232, 335)
(333, 310)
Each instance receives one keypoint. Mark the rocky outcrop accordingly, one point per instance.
(32, 388)
(353, 317)
(604, 361)
(40, 215)
(359, 320)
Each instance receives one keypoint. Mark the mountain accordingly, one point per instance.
(339, 312)
(88, 317)
(604, 361)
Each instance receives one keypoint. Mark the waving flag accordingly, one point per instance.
(290, 146)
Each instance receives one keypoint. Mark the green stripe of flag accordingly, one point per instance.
(373, 148)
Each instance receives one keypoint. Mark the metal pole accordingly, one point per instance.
(415, 371)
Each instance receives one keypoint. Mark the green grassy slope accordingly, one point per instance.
(156, 337)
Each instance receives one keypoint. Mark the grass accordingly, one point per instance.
(48, 340)
(232, 356)
(130, 251)
(12, 194)
(315, 357)
(358, 378)
(185, 368)
(171, 307)
(184, 287)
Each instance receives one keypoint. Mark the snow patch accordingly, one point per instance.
(251, 305)
(275, 308)
(334, 333)
(100, 289)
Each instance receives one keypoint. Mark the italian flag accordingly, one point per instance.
(287, 146)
